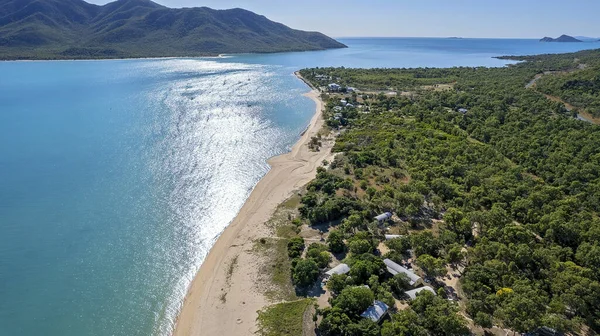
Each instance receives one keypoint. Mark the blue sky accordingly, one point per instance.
(465, 18)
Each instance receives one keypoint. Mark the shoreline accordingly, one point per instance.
(216, 55)
(223, 298)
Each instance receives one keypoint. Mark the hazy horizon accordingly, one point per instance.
(427, 18)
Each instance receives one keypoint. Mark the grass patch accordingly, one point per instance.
(283, 319)
(276, 269)
(275, 272)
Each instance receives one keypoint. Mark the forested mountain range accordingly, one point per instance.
(59, 29)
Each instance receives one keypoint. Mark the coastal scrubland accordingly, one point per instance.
(494, 191)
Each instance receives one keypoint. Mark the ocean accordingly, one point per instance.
(117, 176)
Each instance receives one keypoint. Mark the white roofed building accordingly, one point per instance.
(383, 217)
(393, 268)
(339, 269)
(412, 294)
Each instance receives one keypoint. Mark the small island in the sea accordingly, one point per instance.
(75, 29)
(562, 38)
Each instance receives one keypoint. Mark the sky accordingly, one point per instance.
(422, 18)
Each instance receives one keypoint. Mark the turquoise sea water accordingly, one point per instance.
(116, 177)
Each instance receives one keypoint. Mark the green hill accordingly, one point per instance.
(64, 29)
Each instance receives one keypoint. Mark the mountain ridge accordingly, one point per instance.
(58, 29)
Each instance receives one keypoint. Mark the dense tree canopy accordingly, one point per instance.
(479, 170)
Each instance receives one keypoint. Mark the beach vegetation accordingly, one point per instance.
(287, 318)
(295, 247)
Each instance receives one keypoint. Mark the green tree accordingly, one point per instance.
(360, 246)
(335, 240)
(335, 322)
(306, 272)
(353, 222)
(454, 254)
(337, 283)
(354, 300)
(457, 223)
(400, 245)
(425, 243)
(483, 320)
(364, 327)
(439, 315)
(404, 323)
(318, 252)
(433, 267)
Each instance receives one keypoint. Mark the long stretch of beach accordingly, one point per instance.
(222, 299)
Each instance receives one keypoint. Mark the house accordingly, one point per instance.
(463, 110)
(334, 87)
(339, 269)
(383, 217)
(350, 89)
(337, 116)
(394, 269)
(349, 105)
(343, 102)
(412, 294)
(321, 77)
(376, 312)
(390, 237)
(338, 108)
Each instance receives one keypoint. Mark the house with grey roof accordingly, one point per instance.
(383, 217)
(412, 294)
(339, 269)
(376, 312)
(393, 268)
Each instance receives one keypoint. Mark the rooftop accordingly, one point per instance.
(413, 293)
(339, 269)
(384, 216)
(394, 269)
(375, 312)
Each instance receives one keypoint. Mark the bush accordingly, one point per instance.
(295, 247)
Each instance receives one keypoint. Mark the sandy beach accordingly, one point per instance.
(204, 311)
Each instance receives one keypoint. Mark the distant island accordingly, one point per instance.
(75, 29)
(562, 38)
